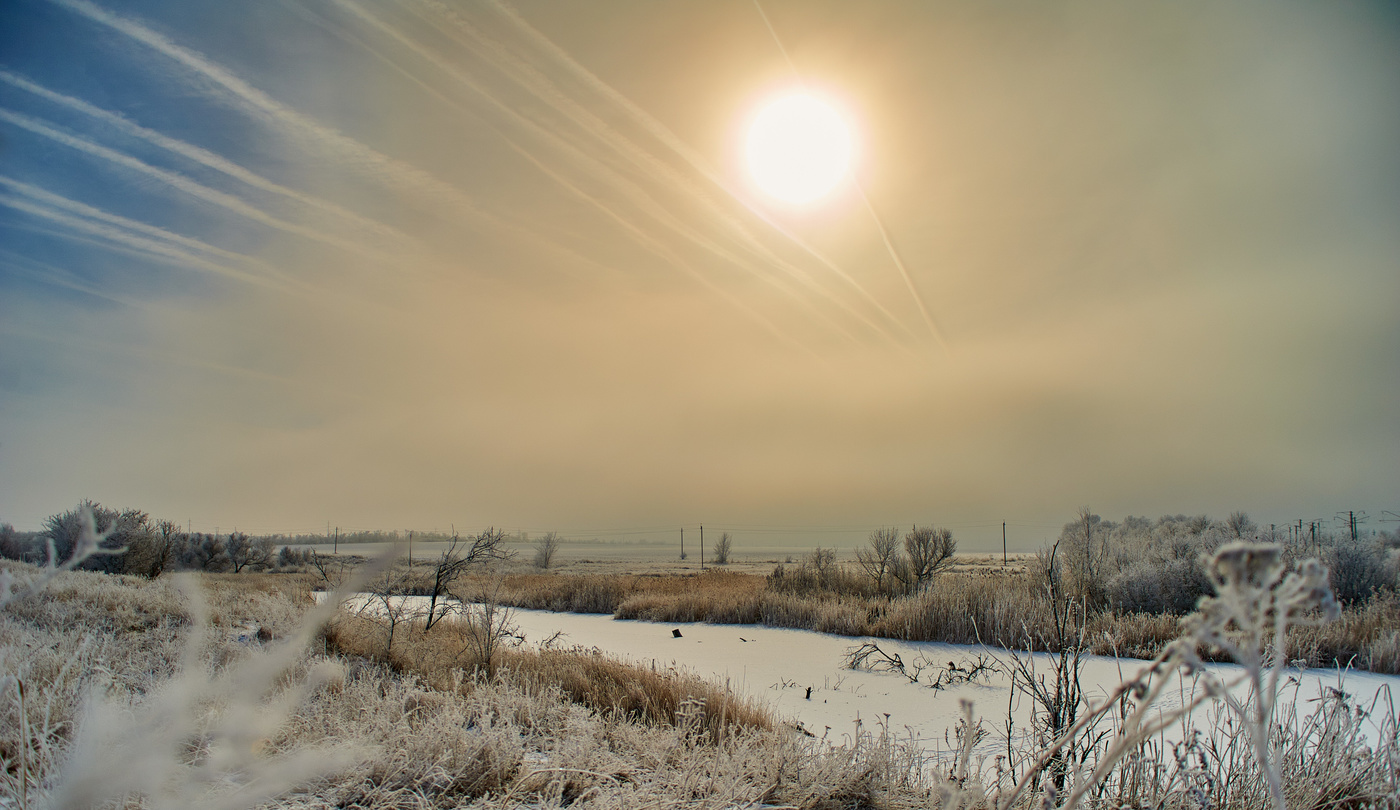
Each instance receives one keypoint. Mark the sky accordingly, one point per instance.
(284, 264)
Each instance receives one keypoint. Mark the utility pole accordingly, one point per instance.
(410, 548)
(335, 549)
(1003, 544)
(682, 542)
(702, 547)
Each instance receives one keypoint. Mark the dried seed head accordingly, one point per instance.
(1247, 565)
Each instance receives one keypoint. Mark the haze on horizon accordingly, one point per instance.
(415, 263)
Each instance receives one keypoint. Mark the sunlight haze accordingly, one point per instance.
(425, 263)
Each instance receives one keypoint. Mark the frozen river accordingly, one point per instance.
(777, 666)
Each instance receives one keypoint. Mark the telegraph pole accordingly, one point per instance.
(682, 542)
(1003, 544)
(702, 547)
(335, 549)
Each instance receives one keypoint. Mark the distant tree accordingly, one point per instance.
(245, 552)
(723, 546)
(878, 559)
(12, 546)
(927, 551)
(823, 564)
(155, 551)
(1239, 525)
(1084, 552)
(546, 547)
(214, 551)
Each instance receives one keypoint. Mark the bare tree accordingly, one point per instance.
(456, 559)
(1085, 557)
(545, 549)
(150, 552)
(169, 534)
(1239, 524)
(878, 560)
(331, 569)
(723, 546)
(823, 562)
(245, 552)
(927, 551)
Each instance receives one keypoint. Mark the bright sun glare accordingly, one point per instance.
(799, 148)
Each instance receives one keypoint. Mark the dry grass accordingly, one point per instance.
(446, 657)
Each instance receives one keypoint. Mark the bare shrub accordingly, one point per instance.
(723, 546)
(1357, 570)
(1173, 587)
(387, 603)
(489, 625)
(546, 547)
(118, 530)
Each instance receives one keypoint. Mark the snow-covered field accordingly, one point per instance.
(777, 666)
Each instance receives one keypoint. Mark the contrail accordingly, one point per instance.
(638, 197)
(323, 139)
(889, 245)
(206, 158)
(544, 88)
(76, 207)
(289, 121)
(48, 274)
(149, 246)
(646, 241)
(659, 131)
(172, 179)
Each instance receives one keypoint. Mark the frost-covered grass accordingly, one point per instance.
(127, 692)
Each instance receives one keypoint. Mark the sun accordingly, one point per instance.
(799, 148)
